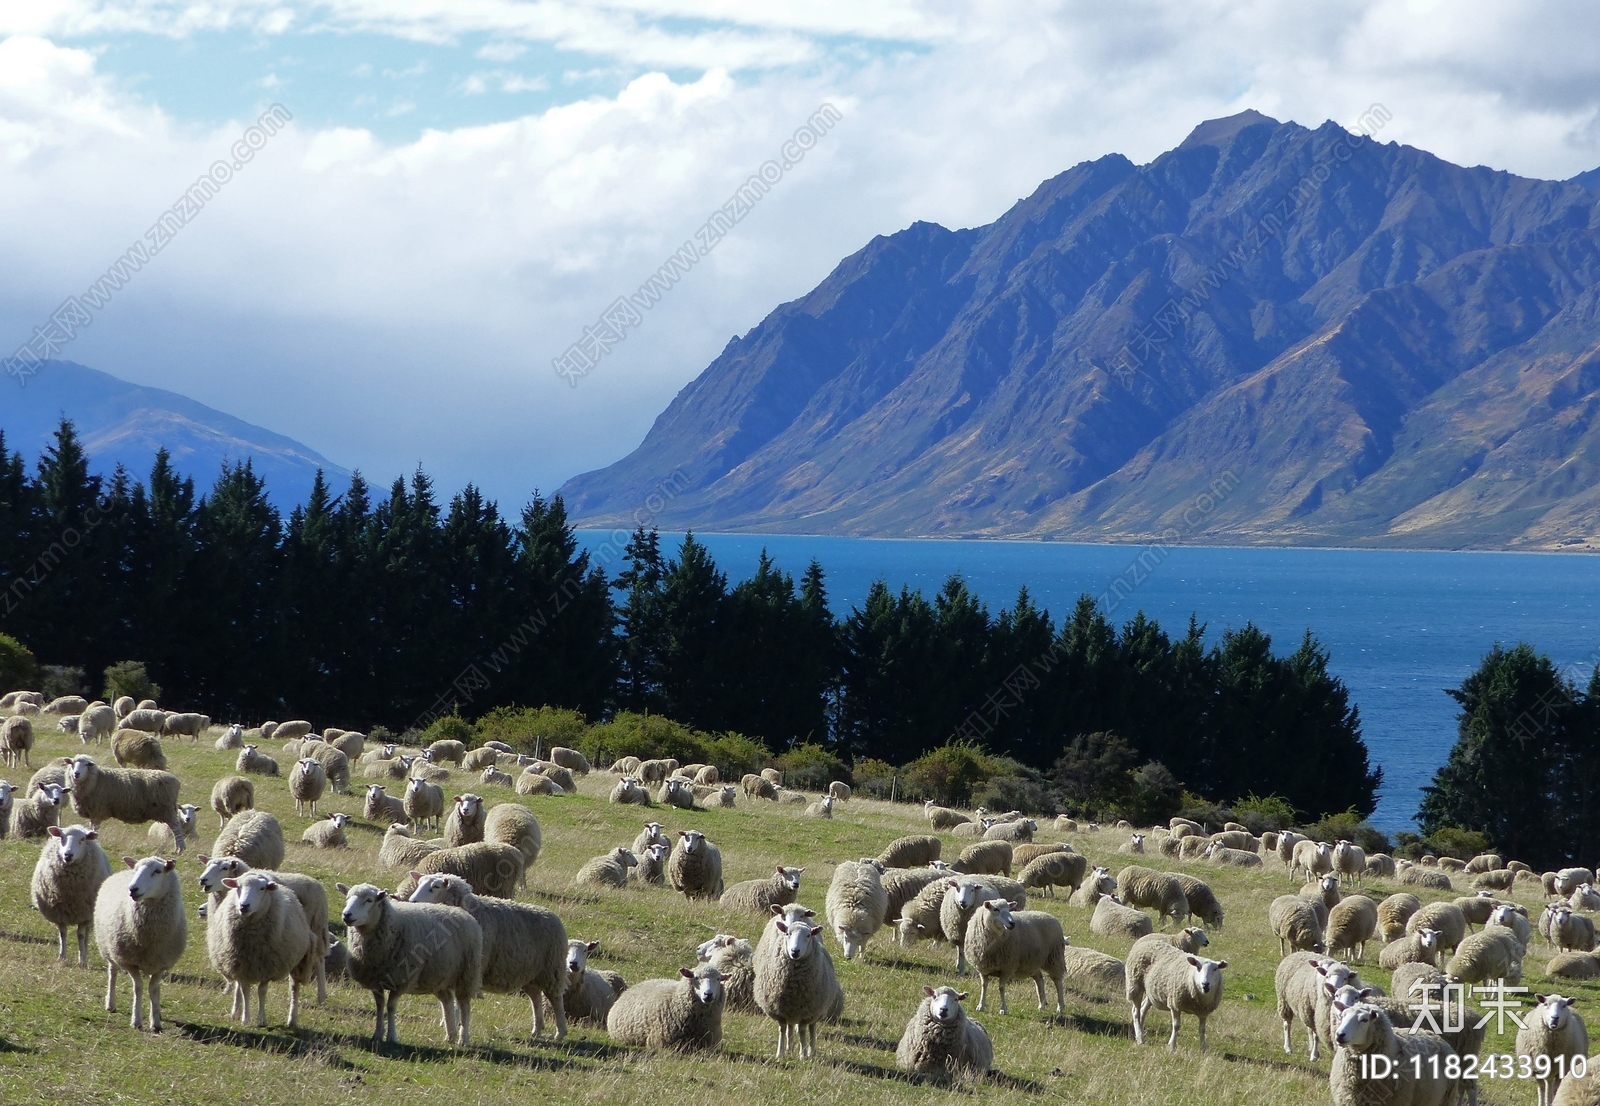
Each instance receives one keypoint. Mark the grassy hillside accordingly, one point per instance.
(57, 1042)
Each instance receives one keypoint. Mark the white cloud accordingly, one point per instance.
(502, 51)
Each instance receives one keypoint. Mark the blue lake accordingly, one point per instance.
(1401, 626)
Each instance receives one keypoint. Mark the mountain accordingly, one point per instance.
(123, 423)
(1269, 334)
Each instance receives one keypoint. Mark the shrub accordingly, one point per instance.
(534, 731)
(18, 669)
(130, 678)
(808, 767)
(734, 754)
(381, 735)
(1349, 826)
(1092, 773)
(1261, 814)
(1454, 841)
(1018, 787)
(1208, 815)
(875, 778)
(948, 774)
(1409, 845)
(1150, 796)
(646, 736)
(56, 680)
(450, 728)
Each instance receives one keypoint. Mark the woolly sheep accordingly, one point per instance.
(163, 840)
(185, 725)
(652, 867)
(915, 851)
(757, 787)
(856, 905)
(1553, 1029)
(514, 824)
(1112, 918)
(759, 896)
(424, 803)
(123, 706)
(1416, 876)
(1567, 880)
(654, 771)
(401, 850)
(350, 743)
(1500, 879)
(1054, 870)
(609, 870)
(1202, 900)
(1420, 946)
(1089, 971)
(382, 808)
(1022, 830)
(398, 768)
(1484, 956)
(16, 741)
(1381, 865)
(147, 719)
(335, 765)
(1579, 1090)
(480, 758)
(683, 1013)
(1295, 924)
(489, 867)
(1483, 862)
(1394, 912)
(1410, 979)
(772, 776)
(651, 834)
(1231, 858)
(901, 885)
(795, 984)
(695, 866)
(985, 858)
(1446, 917)
(940, 1038)
(254, 836)
(58, 771)
(1314, 858)
(252, 760)
(1407, 1079)
(96, 723)
(975, 828)
(839, 791)
(1349, 861)
(465, 824)
(1003, 944)
(524, 946)
(627, 790)
(493, 777)
(1288, 841)
(1179, 983)
(920, 916)
(445, 752)
(574, 761)
(1584, 897)
(1477, 908)
(129, 795)
(66, 882)
(328, 833)
(557, 775)
(942, 817)
(258, 933)
(1134, 846)
(137, 749)
(1236, 839)
(66, 704)
(1351, 924)
(232, 738)
(1096, 886)
(1303, 985)
(1193, 848)
(1514, 918)
(140, 928)
(401, 948)
(8, 805)
(38, 813)
(307, 782)
(1573, 965)
(1570, 932)
(1145, 887)
(961, 901)
(626, 766)
(590, 993)
(675, 792)
(1023, 854)
(534, 782)
(421, 769)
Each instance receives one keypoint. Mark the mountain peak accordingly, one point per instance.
(1216, 132)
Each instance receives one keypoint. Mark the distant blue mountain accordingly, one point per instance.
(123, 423)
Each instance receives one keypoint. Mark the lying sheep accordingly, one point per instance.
(137, 749)
(66, 882)
(381, 808)
(915, 851)
(257, 934)
(1092, 972)
(1003, 944)
(402, 948)
(524, 946)
(478, 759)
(695, 866)
(493, 777)
(1020, 830)
(856, 905)
(39, 813)
(402, 851)
(254, 836)
(795, 984)
(1231, 858)
(514, 824)
(1365, 1031)
(1554, 1030)
(759, 896)
(1416, 876)
(489, 867)
(465, 824)
(940, 1038)
(252, 760)
(676, 792)
(590, 993)
(1134, 846)
(683, 1013)
(975, 828)
(140, 928)
(1096, 886)
(942, 817)
(534, 782)
(608, 870)
(1052, 870)
(399, 768)
(652, 834)
(328, 833)
(1114, 919)
(1573, 965)
(66, 704)
(1177, 982)
(1295, 924)
(163, 840)
(1420, 946)
(130, 795)
(1351, 924)
(1446, 917)
(628, 790)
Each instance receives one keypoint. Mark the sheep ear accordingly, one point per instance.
(1193, 961)
(593, 945)
(1537, 998)
(342, 888)
(230, 882)
(962, 995)
(129, 861)
(777, 910)
(781, 926)
(1221, 964)
(55, 831)
(927, 990)
(383, 894)
(726, 977)
(416, 875)
(816, 931)
(797, 871)
(171, 864)
(686, 973)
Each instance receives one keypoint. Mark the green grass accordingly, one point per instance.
(57, 1043)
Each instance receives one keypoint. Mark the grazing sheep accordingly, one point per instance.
(185, 725)
(940, 1038)
(759, 896)
(839, 791)
(1484, 862)
(39, 812)
(757, 787)
(328, 833)
(625, 766)
(775, 778)
(1203, 903)
(1021, 830)
(1408, 1079)
(795, 984)
(1024, 854)
(445, 752)
(66, 704)
(137, 749)
(695, 866)
(524, 946)
(16, 741)
(1351, 924)
(942, 817)
(123, 706)
(1420, 946)
(130, 795)
(465, 824)
(424, 803)
(683, 1013)
(986, 858)
(1477, 908)
(514, 824)
(96, 723)
(627, 790)
(1484, 956)
(1304, 984)
(1380, 865)
(575, 762)
(654, 771)
(163, 840)
(920, 916)
(534, 782)
(1114, 919)
(1052, 870)
(1500, 879)
(1416, 876)
(402, 851)
(254, 836)
(148, 719)
(307, 782)
(1003, 944)
(915, 851)
(1394, 912)
(1446, 917)
(856, 905)
(140, 928)
(478, 759)
(350, 743)
(1145, 887)
(258, 933)
(653, 866)
(1177, 982)
(489, 868)
(609, 870)
(66, 882)
(381, 808)
(252, 760)
(1098, 885)
(1295, 924)
(399, 948)
(590, 993)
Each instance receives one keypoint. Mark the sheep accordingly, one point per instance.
(1394, 912)
(609, 870)
(920, 915)
(1203, 903)
(533, 782)
(66, 881)
(137, 749)
(96, 723)
(695, 866)
(1585, 897)
(1446, 917)
(1003, 944)
(478, 759)
(1349, 861)
(400, 850)
(1568, 879)
(397, 769)
(627, 790)
(1022, 830)
(652, 867)
(140, 928)
(489, 867)
(1189, 939)
(66, 704)
(255, 836)
(384, 809)
(8, 805)
(1419, 946)
(1089, 971)
(163, 840)
(445, 752)
(424, 803)
(654, 771)
(1570, 932)
(856, 905)
(123, 706)
(1500, 879)
(1295, 924)
(757, 787)
(940, 1038)
(986, 858)
(1485, 956)
(514, 824)
(961, 900)
(1098, 884)
(975, 828)
(675, 792)
(232, 738)
(1477, 908)
(493, 777)
(1134, 846)
(38, 813)
(1579, 1089)
(1145, 887)
(307, 782)
(915, 851)
(1240, 839)
(574, 761)
(1023, 854)
(1303, 985)
(1514, 918)
(148, 719)
(328, 833)
(1177, 982)
(422, 769)
(901, 885)
(683, 1013)
(1416, 876)
(795, 984)
(252, 760)
(1054, 870)
(1415, 1072)
(1314, 858)
(556, 775)
(1380, 865)
(335, 765)
(1231, 858)
(129, 795)
(1112, 918)
(16, 741)
(1351, 924)
(759, 896)
(590, 993)
(350, 743)
(1573, 965)
(839, 791)
(185, 725)
(524, 946)
(625, 766)
(942, 817)
(1288, 841)
(465, 824)
(401, 948)
(258, 933)
(775, 778)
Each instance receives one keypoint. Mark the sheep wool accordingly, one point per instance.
(328, 833)
(1144, 887)
(1004, 944)
(1394, 912)
(257, 934)
(255, 837)
(856, 905)
(941, 1039)
(695, 866)
(230, 795)
(1294, 923)
(130, 795)
(1203, 903)
(1365, 1030)
(795, 984)
(589, 993)
(489, 868)
(759, 896)
(140, 928)
(465, 824)
(1351, 924)
(1092, 972)
(683, 1013)
(609, 870)
(1052, 870)
(1179, 983)
(66, 882)
(514, 824)
(402, 851)
(1113, 919)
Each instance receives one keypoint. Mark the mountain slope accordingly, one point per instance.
(123, 423)
(1329, 318)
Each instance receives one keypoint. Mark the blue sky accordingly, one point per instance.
(467, 184)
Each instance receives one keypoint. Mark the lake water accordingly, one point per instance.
(1400, 626)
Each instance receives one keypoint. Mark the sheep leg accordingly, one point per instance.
(1038, 984)
(294, 1002)
(983, 991)
(1316, 1043)
(1003, 1008)
(464, 1002)
(1172, 1040)
(1136, 1015)
(111, 987)
(394, 1006)
(377, 1001)
(138, 998)
(1061, 995)
(61, 930)
(1288, 1044)
(558, 1006)
(1202, 1018)
(83, 946)
(783, 1038)
(322, 980)
(810, 1030)
(261, 1004)
(448, 1001)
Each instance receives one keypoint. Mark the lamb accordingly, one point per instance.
(400, 850)
(140, 928)
(259, 933)
(1146, 887)
(1295, 924)
(148, 719)
(1394, 912)
(754, 787)
(1177, 982)
(1092, 890)
(759, 896)
(1052, 870)
(1351, 924)
(255, 837)
(590, 993)
(575, 762)
(401, 948)
(382, 808)
(1420, 946)
(652, 867)
(1203, 902)
(940, 1038)
(252, 760)
(489, 867)
(695, 866)
(137, 749)
(942, 817)
(163, 840)
(1446, 917)
(609, 870)
(424, 803)
(1485, 956)
(627, 790)
(1304, 983)
(795, 984)
(66, 881)
(1112, 918)
(684, 1013)
(514, 824)
(39, 812)
(1134, 846)
(986, 858)
(1314, 858)
(129, 795)
(675, 792)
(524, 946)
(96, 723)
(307, 782)
(1407, 1079)
(1021, 830)
(856, 905)
(328, 833)
(915, 851)
(185, 725)
(465, 824)
(1003, 944)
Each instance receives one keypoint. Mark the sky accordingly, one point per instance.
(464, 187)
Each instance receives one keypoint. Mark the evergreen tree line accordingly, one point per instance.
(364, 608)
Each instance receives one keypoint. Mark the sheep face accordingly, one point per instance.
(1359, 1030)
(186, 814)
(468, 806)
(707, 983)
(50, 794)
(219, 869)
(70, 842)
(434, 889)
(790, 877)
(946, 1004)
(1348, 996)
(340, 821)
(83, 767)
(235, 732)
(147, 880)
(1197, 936)
(996, 914)
(253, 890)
(5, 794)
(1428, 939)
(1334, 974)
(1554, 1011)
(799, 938)
(653, 829)
(693, 841)
(363, 905)
(578, 957)
(1207, 973)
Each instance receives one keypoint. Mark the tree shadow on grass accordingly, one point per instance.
(27, 938)
(573, 1055)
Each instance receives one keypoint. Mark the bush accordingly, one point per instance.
(130, 678)
(1271, 813)
(875, 778)
(1150, 797)
(381, 735)
(734, 754)
(808, 767)
(949, 774)
(1206, 814)
(1454, 841)
(56, 680)
(534, 731)
(1092, 773)
(1018, 787)
(450, 728)
(18, 669)
(1352, 827)
(646, 736)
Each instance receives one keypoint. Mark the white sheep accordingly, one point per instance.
(254, 836)
(856, 905)
(1314, 858)
(252, 760)
(1418, 947)
(1351, 924)
(682, 1013)
(7, 805)
(652, 867)
(590, 993)
(424, 803)
(131, 795)
(795, 984)
(941, 1039)
(1179, 983)
(66, 882)
(256, 934)
(1415, 1072)
(1112, 918)
(96, 723)
(163, 840)
(1005, 944)
(514, 824)
(328, 833)
(1304, 984)
(759, 896)
(1552, 1029)
(607, 870)
(822, 808)
(307, 890)
(382, 808)
(230, 795)
(695, 866)
(16, 741)
(489, 867)
(1349, 861)
(1295, 923)
(465, 824)
(140, 928)
(1144, 887)
(38, 812)
(1491, 954)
